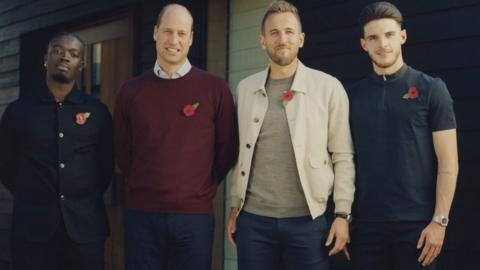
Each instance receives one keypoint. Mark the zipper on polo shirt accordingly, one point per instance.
(382, 104)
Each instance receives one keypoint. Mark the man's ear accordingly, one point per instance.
(261, 40)
(155, 30)
(191, 39)
(302, 39)
(83, 64)
(362, 44)
(403, 35)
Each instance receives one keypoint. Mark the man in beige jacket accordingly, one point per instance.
(295, 148)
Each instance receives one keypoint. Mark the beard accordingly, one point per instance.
(282, 61)
(60, 78)
(385, 63)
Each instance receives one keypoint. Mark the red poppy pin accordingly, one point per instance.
(81, 118)
(189, 109)
(287, 96)
(412, 93)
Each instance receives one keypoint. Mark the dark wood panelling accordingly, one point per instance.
(5, 220)
(325, 15)
(467, 112)
(469, 148)
(425, 56)
(9, 47)
(430, 29)
(12, 4)
(462, 82)
(9, 63)
(35, 9)
(8, 95)
(65, 15)
(442, 55)
(8, 79)
(6, 206)
(428, 57)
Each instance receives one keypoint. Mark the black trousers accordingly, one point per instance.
(387, 245)
(60, 253)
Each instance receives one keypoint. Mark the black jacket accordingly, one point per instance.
(57, 166)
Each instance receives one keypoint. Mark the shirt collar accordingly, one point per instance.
(391, 77)
(182, 71)
(299, 83)
(75, 96)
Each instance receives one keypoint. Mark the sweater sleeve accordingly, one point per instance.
(226, 133)
(122, 132)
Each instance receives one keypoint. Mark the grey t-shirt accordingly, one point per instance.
(274, 188)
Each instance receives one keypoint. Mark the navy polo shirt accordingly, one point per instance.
(392, 119)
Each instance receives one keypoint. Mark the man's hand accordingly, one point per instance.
(232, 226)
(339, 231)
(432, 240)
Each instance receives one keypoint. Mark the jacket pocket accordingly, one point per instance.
(320, 178)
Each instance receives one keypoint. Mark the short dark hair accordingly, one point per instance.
(379, 10)
(65, 34)
(281, 7)
(165, 8)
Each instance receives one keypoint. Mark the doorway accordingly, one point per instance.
(109, 63)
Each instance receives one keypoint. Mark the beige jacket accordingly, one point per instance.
(319, 127)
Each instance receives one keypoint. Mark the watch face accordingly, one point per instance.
(444, 221)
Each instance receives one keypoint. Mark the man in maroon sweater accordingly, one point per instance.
(176, 138)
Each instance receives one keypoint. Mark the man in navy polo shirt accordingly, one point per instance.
(404, 131)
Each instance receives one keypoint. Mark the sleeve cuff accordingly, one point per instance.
(235, 201)
(344, 206)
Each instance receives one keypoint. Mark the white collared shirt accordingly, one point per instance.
(182, 71)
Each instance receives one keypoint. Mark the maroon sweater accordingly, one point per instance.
(173, 163)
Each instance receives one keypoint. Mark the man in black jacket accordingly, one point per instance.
(56, 158)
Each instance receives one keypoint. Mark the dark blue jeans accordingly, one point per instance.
(387, 245)
(265, 243)
(155, 241)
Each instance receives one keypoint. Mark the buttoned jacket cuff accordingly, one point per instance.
(235, 201)
(343, 206)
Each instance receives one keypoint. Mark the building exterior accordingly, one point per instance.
(443, 40)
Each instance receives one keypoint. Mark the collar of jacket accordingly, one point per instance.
(75, 96)
(298, 85)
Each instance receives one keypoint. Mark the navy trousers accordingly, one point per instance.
(155, 241)
(387, 245)
(60, 253)
(265, 243)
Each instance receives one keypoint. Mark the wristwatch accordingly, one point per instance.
(346, 216)
(442, 220)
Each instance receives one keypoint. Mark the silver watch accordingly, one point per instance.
(442, 220)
